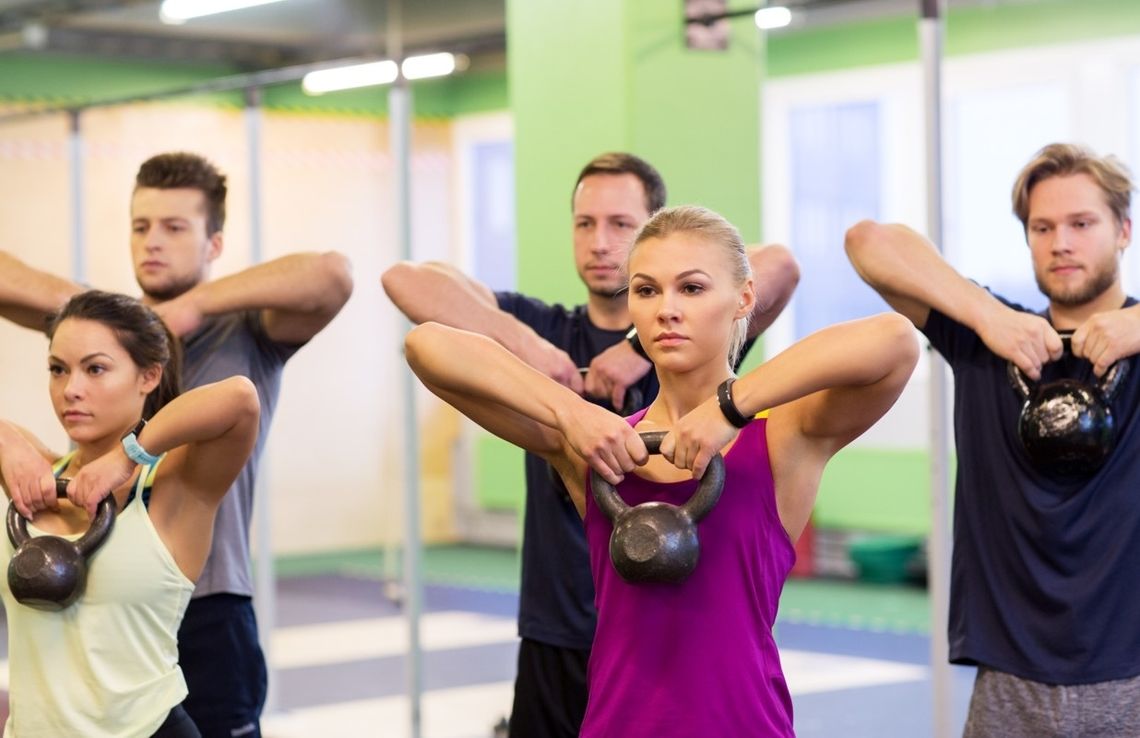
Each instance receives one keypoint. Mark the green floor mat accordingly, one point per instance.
(839, 603)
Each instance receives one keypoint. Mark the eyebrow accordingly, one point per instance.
(84, 360)
(682, 275)
(1078, 214)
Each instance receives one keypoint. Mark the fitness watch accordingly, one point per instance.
(635, 344)
(136, 452)
(727, 406)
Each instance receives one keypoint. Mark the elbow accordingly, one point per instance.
(417, 343)
(336, 268)
(861, 238)
(785, 267)
(899, 334)
(242, 399)
(406, 290)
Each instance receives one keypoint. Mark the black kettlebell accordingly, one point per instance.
(48, 572)
(656, 541)
(1066, 426)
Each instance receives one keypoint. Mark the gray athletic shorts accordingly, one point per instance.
(1005, 706)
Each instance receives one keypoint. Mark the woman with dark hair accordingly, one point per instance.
(107, 664)
(694, 658)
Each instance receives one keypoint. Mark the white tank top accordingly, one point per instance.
(108, 664)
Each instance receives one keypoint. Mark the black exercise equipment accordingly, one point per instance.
(1066, 426)
(657, 541)
(48, 572)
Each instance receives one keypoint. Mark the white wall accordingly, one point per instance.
(333, 462)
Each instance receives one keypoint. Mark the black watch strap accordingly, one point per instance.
(635, 344)
(728, 407)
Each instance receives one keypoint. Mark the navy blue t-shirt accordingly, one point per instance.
(1042, 575)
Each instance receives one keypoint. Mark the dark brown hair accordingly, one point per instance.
(616, 162)
(179, 170)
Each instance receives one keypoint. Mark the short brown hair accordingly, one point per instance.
(616, 162)
(1062, 160)
(179, 170)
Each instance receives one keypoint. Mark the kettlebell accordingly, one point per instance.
(49, 572)
(1066, 426)
(656, 541)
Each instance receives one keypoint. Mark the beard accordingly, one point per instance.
(611, 293)
(168, 290)
(1099, 282)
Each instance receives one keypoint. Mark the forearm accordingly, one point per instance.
(903, 266)
(305, 283)
(440, 293)
(206, 413)
(28, 295)
(858, 353)
(469, 364)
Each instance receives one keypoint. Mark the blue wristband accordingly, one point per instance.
(135, 452)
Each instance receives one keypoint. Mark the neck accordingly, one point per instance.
(682, 392)
(608, 313)
(85, 453)
(1071, 317)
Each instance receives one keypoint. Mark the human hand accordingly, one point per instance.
(607, 443)
(697, 437)
(29, 479)
(99, 478)
(614, 371)
(1023, 338)
(555, 363)
(1107, 337)
(182, 314)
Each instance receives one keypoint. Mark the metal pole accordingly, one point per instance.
(399, 121)
(939, 545)
(75, 156)
(265, 579)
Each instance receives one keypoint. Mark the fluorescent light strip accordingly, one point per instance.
(428, 65)
(345, 78)
(773, 17)
(173, 12)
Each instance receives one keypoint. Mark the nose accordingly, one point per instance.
(667, 311)
(73, 389)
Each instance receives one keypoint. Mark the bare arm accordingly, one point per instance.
(775, 274)
(440, 293)
(28, 295)
(298, 294)
(913, 278)
(209, 432)
(517, 403)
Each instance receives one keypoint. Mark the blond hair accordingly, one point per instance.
(1062, 160)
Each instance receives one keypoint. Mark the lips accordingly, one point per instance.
(669, 339)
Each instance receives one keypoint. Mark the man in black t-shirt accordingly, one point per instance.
(1042, 592)
(613, 196)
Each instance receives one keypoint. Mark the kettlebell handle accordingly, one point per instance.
(17, 525)
(708, 490)
(1108, 384)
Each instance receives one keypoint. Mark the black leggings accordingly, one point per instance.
(177, 725)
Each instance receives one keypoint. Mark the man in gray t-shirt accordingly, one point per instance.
(248, 323)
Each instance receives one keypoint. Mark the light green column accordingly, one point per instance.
(587, 76)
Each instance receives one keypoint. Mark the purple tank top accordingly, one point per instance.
(696, 658)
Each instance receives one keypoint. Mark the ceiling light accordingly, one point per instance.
(428, 65)
(773, 17)
(345, 78)
(173, 12)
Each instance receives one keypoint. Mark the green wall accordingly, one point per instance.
(598, 75)
(970, 30)
(52, 79)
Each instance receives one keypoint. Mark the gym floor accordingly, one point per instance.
(856, 655)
